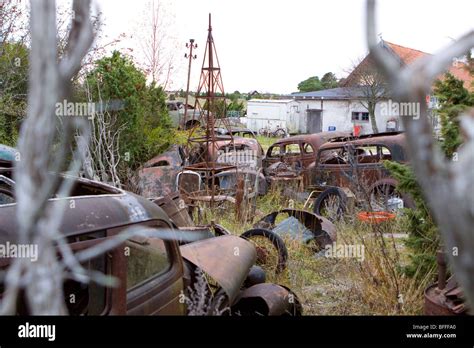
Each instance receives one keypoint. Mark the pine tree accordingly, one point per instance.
(453, 99)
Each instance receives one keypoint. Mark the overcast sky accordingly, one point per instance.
(272, 45)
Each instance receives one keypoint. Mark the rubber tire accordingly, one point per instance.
(277, 242)
(332, 191)
(280, 133)
(408, 201)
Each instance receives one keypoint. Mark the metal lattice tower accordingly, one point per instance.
(210, 102)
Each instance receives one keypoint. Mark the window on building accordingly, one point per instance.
(360, 116)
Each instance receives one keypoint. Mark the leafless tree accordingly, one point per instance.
(98, 48)
(447, 185)
(13, 21)
(38, 222)
(102, 155)
(365, 75)
(156, 43)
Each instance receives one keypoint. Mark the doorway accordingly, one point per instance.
(314, 121)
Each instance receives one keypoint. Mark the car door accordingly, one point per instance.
(333, 167)
(369, 159)
(293, 155)
(154, 277)
(308, 157)
(274, 154)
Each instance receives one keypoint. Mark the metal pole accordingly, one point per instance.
(191, 45)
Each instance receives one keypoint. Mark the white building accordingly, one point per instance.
(341, 109)
(313, 112)
(273, 114)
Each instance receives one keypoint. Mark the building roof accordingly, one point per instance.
(409, 55)
(406, 55)
(281, 101)
(340, 93)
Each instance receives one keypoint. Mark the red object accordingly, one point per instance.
(375, 216)
(357, 129)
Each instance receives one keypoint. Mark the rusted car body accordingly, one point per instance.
(352, 162)
(153, 273)
(445, 297)
(236, 131)
(320, 229)
(244, 152)
(176, 112)
(296, 154)
(159, 176)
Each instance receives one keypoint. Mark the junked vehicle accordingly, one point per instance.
(158, 176)
(153, 273)
(176, 112)
(356, 163)
(168, 172)
(296, 155)
(236, 131)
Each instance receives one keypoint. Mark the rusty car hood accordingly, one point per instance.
(227, 259)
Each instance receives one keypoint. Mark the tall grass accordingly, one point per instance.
(343, 286)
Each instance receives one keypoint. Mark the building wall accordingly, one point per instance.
(272, 114)
(338, 114)
(292, 115)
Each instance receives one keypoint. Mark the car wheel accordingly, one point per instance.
(272, 253)
(331, 204)
(280, 133)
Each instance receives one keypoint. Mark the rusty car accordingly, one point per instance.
(176, 111)
(356, 163)
(153, 273)
(173, 170)
(296, 155)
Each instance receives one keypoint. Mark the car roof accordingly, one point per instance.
(313, 138)
(110, 208)
(387, 138)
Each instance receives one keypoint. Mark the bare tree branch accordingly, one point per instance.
(445, 184)
(38, 222)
